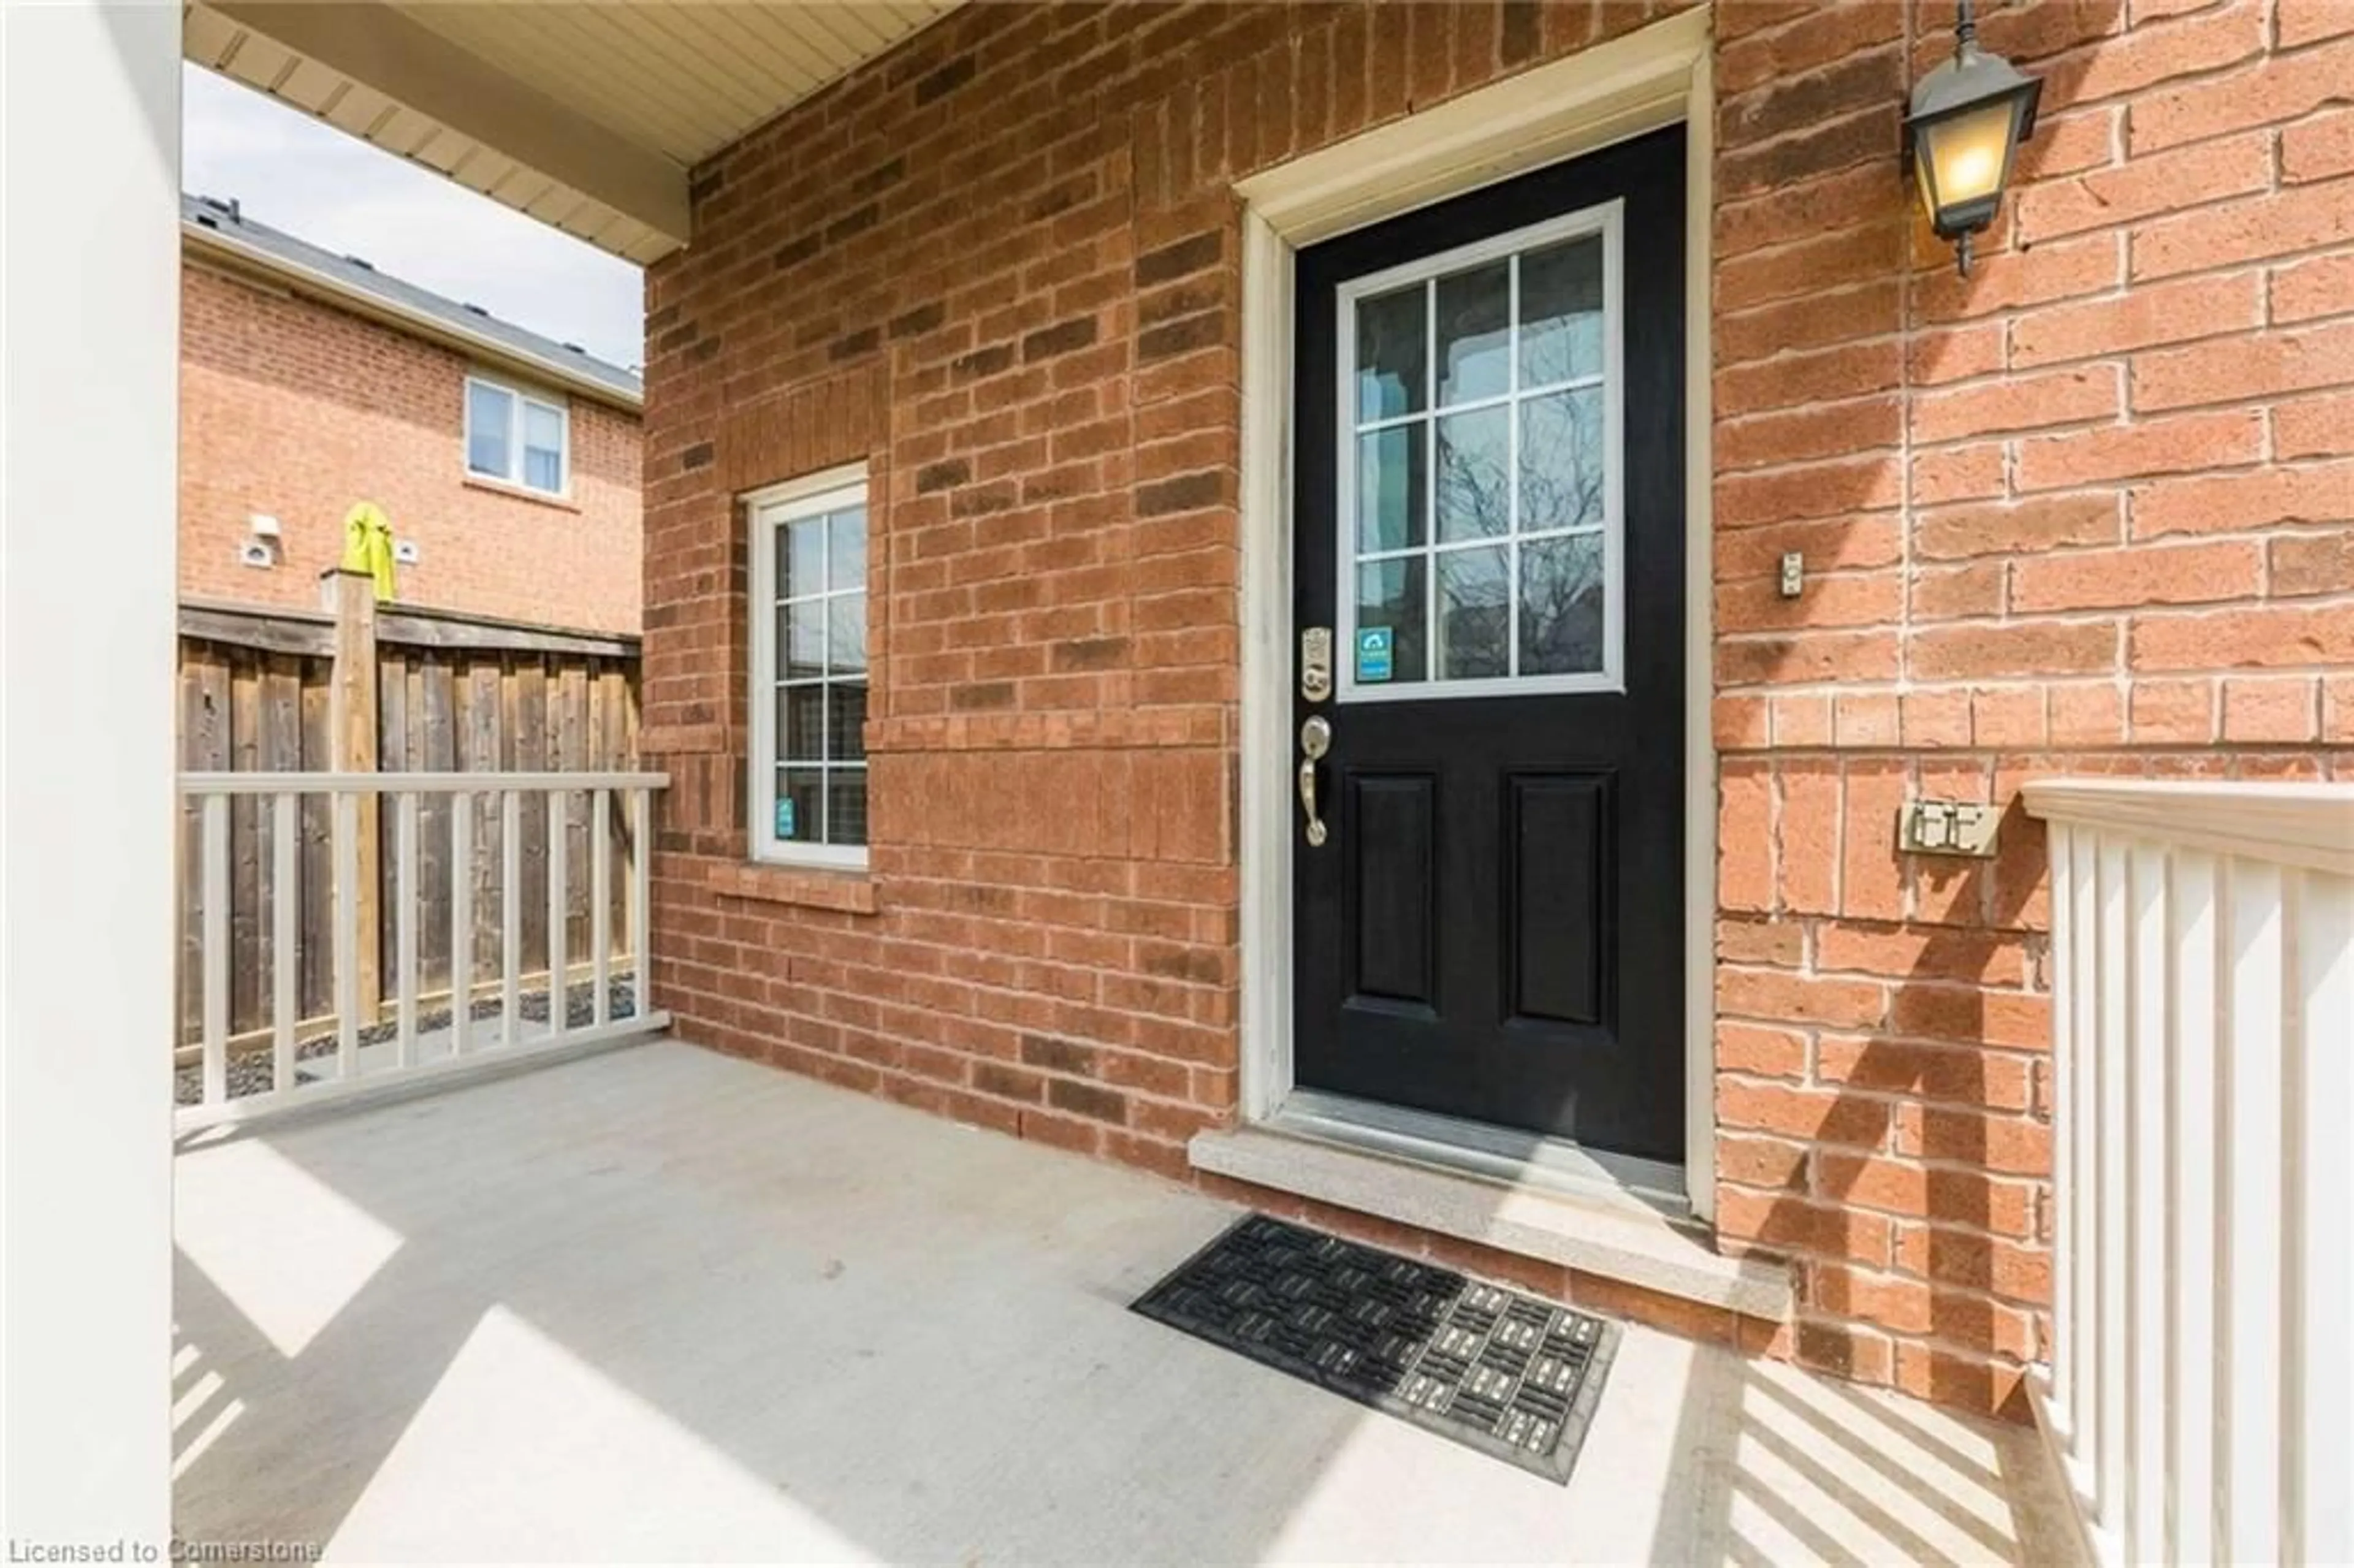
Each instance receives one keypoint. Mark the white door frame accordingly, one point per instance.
(1656, 77)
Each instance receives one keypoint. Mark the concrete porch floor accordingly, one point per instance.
(661, 1305)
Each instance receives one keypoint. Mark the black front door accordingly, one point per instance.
(1490, 536)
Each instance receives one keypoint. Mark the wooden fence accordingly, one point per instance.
(449, 694)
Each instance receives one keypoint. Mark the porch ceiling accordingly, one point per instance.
(587, 117)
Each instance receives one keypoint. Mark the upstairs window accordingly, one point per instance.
(808, 785)
(516, 439)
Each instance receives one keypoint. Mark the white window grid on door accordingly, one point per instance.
(817, 495)
(1604, 220)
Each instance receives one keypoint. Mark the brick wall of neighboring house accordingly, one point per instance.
(295, 408)
(2087, 510)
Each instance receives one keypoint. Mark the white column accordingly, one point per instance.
(90, 313)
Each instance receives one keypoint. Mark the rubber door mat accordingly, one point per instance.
(1515, 1377)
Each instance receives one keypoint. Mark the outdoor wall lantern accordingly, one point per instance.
(1967, 118)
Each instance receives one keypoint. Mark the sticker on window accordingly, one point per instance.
(1374, 653)
(784, 816)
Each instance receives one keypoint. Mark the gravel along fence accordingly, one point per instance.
(250, 1074)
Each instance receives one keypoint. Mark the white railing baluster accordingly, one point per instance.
(215, 955)
(557, 900)
(405, 908)
(2146, 1350)
(2060, 1343)
(2191, 1207)
(346, 817)
(2084, 1109)
(642, 882)
(2321, 1441)
(2109, 1214)
(600, 903)
(2251, 1264)
(285, 956)
(510, 917)
(2200, 1396)
(462, 921)
(227, 1036)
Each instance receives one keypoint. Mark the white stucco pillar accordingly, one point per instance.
(89, 155)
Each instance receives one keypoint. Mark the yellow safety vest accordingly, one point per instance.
(367, 545)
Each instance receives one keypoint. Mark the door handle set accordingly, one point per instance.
(1315, 730)
(1315, 740)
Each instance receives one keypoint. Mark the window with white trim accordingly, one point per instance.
(518, 439)
(809, 669)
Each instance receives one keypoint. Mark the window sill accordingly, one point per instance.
(521, 492)
(815, 887)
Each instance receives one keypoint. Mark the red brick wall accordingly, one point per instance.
(295, 408)
(1000, 265)
(2087, 510)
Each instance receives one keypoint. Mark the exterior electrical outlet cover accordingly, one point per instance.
(1947, 827)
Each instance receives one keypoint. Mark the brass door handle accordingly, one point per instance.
(1315, 740)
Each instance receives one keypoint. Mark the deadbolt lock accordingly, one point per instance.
(1316, 664)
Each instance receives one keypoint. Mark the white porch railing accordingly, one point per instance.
(2201, 1388)
(307, 1071)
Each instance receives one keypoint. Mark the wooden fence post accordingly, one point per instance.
(352, 724)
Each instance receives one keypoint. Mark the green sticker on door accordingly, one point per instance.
(1373, 644)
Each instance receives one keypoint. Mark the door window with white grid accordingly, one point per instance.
(1479, 479)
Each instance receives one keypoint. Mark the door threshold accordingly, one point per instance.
(1527, 1161)
(1549, 1208)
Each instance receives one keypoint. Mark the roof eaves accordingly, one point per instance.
(573, 377)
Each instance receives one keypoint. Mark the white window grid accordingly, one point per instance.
(1604, 220)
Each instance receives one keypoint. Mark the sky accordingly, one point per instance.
(318, 183)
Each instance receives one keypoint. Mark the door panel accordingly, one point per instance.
(1556, 864)
(1395, 820)
(1489, 513)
